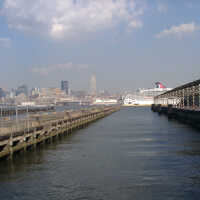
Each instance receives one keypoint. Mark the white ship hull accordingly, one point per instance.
(138, 101)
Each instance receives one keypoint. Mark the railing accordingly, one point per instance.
(186, 96)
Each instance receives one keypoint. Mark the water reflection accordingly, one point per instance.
(31, 160)
(132, 154)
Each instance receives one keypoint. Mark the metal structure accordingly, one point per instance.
(184, 97)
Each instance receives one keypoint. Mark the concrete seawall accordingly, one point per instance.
(184, 115)
(37, 129)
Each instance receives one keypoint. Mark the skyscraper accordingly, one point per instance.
(2, 93)
(93, 87)
(22, 89)
(65, 86)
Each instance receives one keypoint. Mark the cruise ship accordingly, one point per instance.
(145, 97)
(159, 89)
(100, 101)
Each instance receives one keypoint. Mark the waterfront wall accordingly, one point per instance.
(37, 129)
(184, 115)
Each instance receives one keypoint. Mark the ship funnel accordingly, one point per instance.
(159, 85)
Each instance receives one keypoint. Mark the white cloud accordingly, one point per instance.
(135, 24)
(178, 31)
(5, 42)
(57, 68)
(66, 18)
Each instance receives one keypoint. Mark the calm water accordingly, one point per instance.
(132, 154)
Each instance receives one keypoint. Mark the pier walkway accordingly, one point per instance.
(16, 136)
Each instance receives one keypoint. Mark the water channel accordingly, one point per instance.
(132, 154)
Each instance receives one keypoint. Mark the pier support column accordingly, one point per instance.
(199, 95)
(25, 145)
(183, 99)
(193, 97)
(10, 149)
(188, 97)
(35, 138)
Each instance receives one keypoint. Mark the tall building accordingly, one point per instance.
(35, 92)
(93, 87)
(65, 86)
(2, 93)
(23, 89)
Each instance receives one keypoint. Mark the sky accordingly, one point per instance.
(127, 44)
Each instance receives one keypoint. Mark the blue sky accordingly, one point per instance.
(126, 43)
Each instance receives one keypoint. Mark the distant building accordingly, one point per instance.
(20, 98)
(23, 89)
(65, 86)
(80, 94)
(28, 103)
(2, 93)
(52, 92)
(93, 87)
(35, 92)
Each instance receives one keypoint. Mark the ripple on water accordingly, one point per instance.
(132, 154)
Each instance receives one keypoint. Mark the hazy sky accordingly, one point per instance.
(126, 43)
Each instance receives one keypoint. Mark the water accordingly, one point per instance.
(132, 154)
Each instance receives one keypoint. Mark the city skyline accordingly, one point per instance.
(129, 45)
